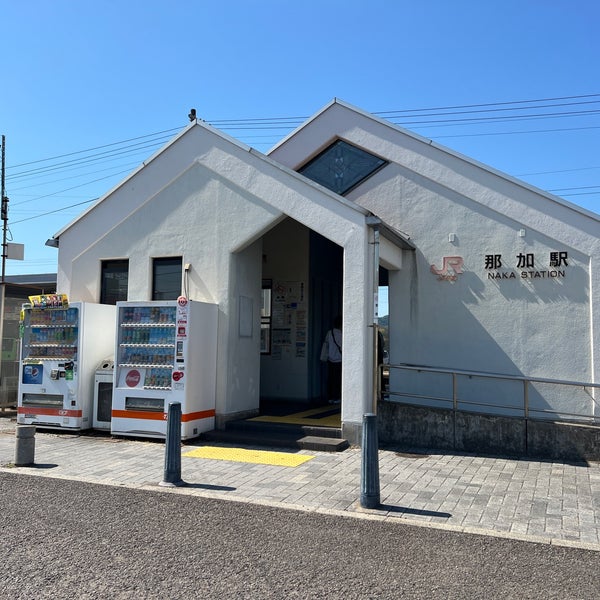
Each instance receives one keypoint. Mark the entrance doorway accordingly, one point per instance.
(302, 280)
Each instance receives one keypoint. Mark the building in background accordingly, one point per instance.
(15, 291)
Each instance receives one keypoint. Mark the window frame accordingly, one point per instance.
(104, 294)
(382, 162)
(166, 260)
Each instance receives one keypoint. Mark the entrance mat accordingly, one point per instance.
(324, 416)
(260, 457)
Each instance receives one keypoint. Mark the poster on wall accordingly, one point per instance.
(289, 318)
(282, 337)
(278, 315)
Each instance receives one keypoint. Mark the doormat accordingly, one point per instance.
(260, 457)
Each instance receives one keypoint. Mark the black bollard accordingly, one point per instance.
(172, 472)
(24, 445)
(369, 474)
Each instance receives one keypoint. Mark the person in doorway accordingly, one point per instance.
(332, 354)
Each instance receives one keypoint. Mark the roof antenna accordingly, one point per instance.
(192, 115)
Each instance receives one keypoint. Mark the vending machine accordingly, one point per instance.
(61, 345)
(165, 352)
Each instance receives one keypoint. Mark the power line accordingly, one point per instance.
(96, 147)
(491, 133)
(86, 160)
(504, 119)
(131, 165)
(559, 171)
(581, 194)
(69, 189)
(494, 103)
(288, 122)
(582, 187)
(51, 212)
(116, 150)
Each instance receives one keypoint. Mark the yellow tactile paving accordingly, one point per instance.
(261, 457)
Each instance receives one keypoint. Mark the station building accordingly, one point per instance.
(493, 285)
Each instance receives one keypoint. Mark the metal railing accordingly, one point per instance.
(522, 409)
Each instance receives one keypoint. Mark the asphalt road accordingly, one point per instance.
(67, 539)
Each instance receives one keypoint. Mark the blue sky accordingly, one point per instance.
(82, 75)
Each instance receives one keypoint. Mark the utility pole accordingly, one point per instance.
(4, 216)
(4, 213)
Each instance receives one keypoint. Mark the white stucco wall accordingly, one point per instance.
(521, 326)
(210, 200)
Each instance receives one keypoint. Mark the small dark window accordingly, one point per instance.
(341, 166)
(166, 278)
(115, 278)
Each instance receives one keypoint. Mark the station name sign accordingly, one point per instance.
(527, 266)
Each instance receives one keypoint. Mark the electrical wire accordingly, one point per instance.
(115, 151)
(51, 212)
(278, 122)
(495, 103)
(97, 147)
(504, 119)
(25, 187)
(491, 133)
(87, 159)
(70, 188)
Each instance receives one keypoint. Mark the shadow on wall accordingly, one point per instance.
(466, 325)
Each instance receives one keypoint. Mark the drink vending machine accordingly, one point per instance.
(61, 346)
(166, 352)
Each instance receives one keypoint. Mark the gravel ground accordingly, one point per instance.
(68, 539)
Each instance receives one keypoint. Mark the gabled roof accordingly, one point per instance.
(240, 146)
(233, 141)
(287, 139)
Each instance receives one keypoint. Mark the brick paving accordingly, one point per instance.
(539, 501)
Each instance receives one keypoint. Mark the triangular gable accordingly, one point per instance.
(339, 120)
(172, 168)
(172, 160)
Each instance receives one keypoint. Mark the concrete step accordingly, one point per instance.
(323, 444)
(284, 428)
(276, 438)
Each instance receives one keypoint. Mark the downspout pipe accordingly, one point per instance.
(369, 473)
(375, 317)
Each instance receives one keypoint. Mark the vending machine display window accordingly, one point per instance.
(146, 346)
(51, 335)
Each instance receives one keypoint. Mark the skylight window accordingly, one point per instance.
(341, 167)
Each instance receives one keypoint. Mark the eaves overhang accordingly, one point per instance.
(390, 234)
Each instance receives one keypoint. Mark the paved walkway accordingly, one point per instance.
(537, 501)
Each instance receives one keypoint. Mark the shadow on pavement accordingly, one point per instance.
(413, 511)
(206, 486)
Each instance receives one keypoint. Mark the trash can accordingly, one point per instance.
(103, 389)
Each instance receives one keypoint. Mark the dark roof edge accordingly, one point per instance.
(390, 234)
